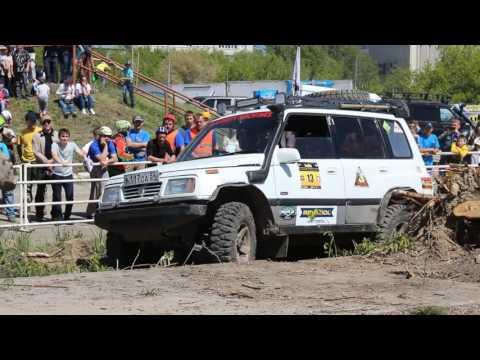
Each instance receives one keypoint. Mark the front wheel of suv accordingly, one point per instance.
(394, 221)
(233, 233)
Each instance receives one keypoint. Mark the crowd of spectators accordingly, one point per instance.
(40, 143)
(451, 141)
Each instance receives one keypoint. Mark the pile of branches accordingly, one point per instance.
(433, 222)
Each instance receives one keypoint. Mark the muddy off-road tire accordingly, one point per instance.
(395, 220)
(233, 233)
(119, 249)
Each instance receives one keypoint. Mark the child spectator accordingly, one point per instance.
(159, 150)
(83, 97)
(42, 91)
(120, 141)
(460, 150)
(66, 92)
(62, 153)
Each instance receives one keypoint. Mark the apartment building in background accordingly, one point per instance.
(415, 57)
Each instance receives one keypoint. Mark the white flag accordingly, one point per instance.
(296, 74)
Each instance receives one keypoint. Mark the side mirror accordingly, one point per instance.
(288, 155)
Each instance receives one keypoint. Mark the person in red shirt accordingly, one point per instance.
(121, 145)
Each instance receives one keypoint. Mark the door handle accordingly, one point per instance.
(383, 170)
(331, 171)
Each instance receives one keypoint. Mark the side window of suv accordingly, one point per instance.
(446, 115)
(397, 139)
(358, 138)
(210, 103)
(310, 135)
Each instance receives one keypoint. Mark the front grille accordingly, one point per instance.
(141, 191)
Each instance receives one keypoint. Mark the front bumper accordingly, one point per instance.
(152, 219)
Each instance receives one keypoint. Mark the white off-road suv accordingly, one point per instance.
(252, 181)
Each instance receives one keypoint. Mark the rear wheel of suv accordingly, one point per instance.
(120, 250)
(233, 235)
(395, 220)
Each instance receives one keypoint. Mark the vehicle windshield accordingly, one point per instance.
(238, 134)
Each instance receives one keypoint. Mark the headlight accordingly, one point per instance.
(111, 195)
(180, 186)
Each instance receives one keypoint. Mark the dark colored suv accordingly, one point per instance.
(439, 113)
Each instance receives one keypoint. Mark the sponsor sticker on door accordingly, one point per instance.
(309, 175)
(316, 215)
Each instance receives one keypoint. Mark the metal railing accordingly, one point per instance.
(23, 204)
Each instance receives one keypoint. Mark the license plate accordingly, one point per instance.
(141, 178)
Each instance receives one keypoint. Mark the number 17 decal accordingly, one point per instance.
(309, 175)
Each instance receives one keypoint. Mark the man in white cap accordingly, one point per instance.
(101, 150)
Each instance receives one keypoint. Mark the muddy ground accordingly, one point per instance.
(395, 284)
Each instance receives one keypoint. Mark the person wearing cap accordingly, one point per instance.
(137, 140)
(101, 150)
(428, 144)
(120, 141)
(159, 150)
(7, 196)
(42, 147)
(8, 135)
(127, 86)
(175, 136)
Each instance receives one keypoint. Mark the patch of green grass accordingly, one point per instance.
(395, 244)
(429, 310)
(15, 263)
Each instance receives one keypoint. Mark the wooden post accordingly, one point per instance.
(74, 64)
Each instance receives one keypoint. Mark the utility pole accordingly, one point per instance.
(169, 67)
(356, 73)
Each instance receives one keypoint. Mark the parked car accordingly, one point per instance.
(215, 101)
(439, 112)
(253, 182)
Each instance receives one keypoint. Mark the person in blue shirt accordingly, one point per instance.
(127, 86)
(7, 195)
(428, 144)
(137, 140)
(102, 150)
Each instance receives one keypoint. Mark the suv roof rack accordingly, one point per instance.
(420, 96)
(335, 99)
